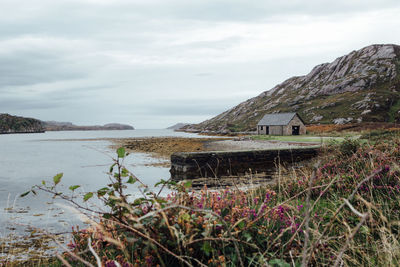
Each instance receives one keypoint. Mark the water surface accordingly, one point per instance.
(27, 159)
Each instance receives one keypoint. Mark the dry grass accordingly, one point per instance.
(343, 211)
(323, 129)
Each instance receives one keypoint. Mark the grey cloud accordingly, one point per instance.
(203, 74)
(161, 58)
(200, 107)
(217, 45)
(80, 18)
(33, 67)
(16, 103)
(245, 10)
(57, 99)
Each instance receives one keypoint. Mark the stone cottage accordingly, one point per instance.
(281, 124)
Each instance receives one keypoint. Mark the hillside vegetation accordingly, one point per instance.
(14, 124)
(363, 86)
(340, 210)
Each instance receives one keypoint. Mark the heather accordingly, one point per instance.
(340, 209)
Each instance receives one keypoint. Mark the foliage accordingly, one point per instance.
(14, 124)
(343, 210)
(349, 146)
(297, 138)
(364, 128)
(325, 128)
(381, 134)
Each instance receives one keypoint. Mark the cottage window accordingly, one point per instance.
(261, 128)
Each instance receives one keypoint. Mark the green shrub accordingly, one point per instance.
(255, 227)
(377, 135)
(349, 146)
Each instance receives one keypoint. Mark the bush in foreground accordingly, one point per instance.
(344, 210)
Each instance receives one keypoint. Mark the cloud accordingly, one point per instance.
(201, 107)
(31, 60)
(144, 61)
(29, 68)
(18, 104)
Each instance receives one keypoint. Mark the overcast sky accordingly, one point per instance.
(153, 63)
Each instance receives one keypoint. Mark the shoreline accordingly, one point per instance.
(165, 146)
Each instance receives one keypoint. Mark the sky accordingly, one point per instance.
(154, 63)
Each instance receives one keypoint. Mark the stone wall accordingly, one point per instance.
(191, 165)
(276, 130)
(262, 129)
(295, 122)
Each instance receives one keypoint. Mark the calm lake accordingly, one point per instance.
(27, 159)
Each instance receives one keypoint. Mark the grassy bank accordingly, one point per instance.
(350, 128)
(342, 209)
(299, 138)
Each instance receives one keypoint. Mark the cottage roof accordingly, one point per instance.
(277, 119)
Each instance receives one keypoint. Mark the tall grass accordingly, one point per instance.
(342, 210)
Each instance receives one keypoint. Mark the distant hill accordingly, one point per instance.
(363, 86)
(68, 126)
(178, 126)
(118, 126)
(58, 123)
(14, 124)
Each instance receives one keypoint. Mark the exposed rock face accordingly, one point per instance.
(12, 124)
(361, 86)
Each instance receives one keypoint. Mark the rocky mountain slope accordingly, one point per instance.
(14, 124)
(361, 86)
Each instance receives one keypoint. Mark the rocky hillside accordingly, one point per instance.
(13, 124)
(361, 86)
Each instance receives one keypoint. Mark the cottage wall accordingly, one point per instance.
(276, 130)
(264, 129)
(295, 122)
(283, 129)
